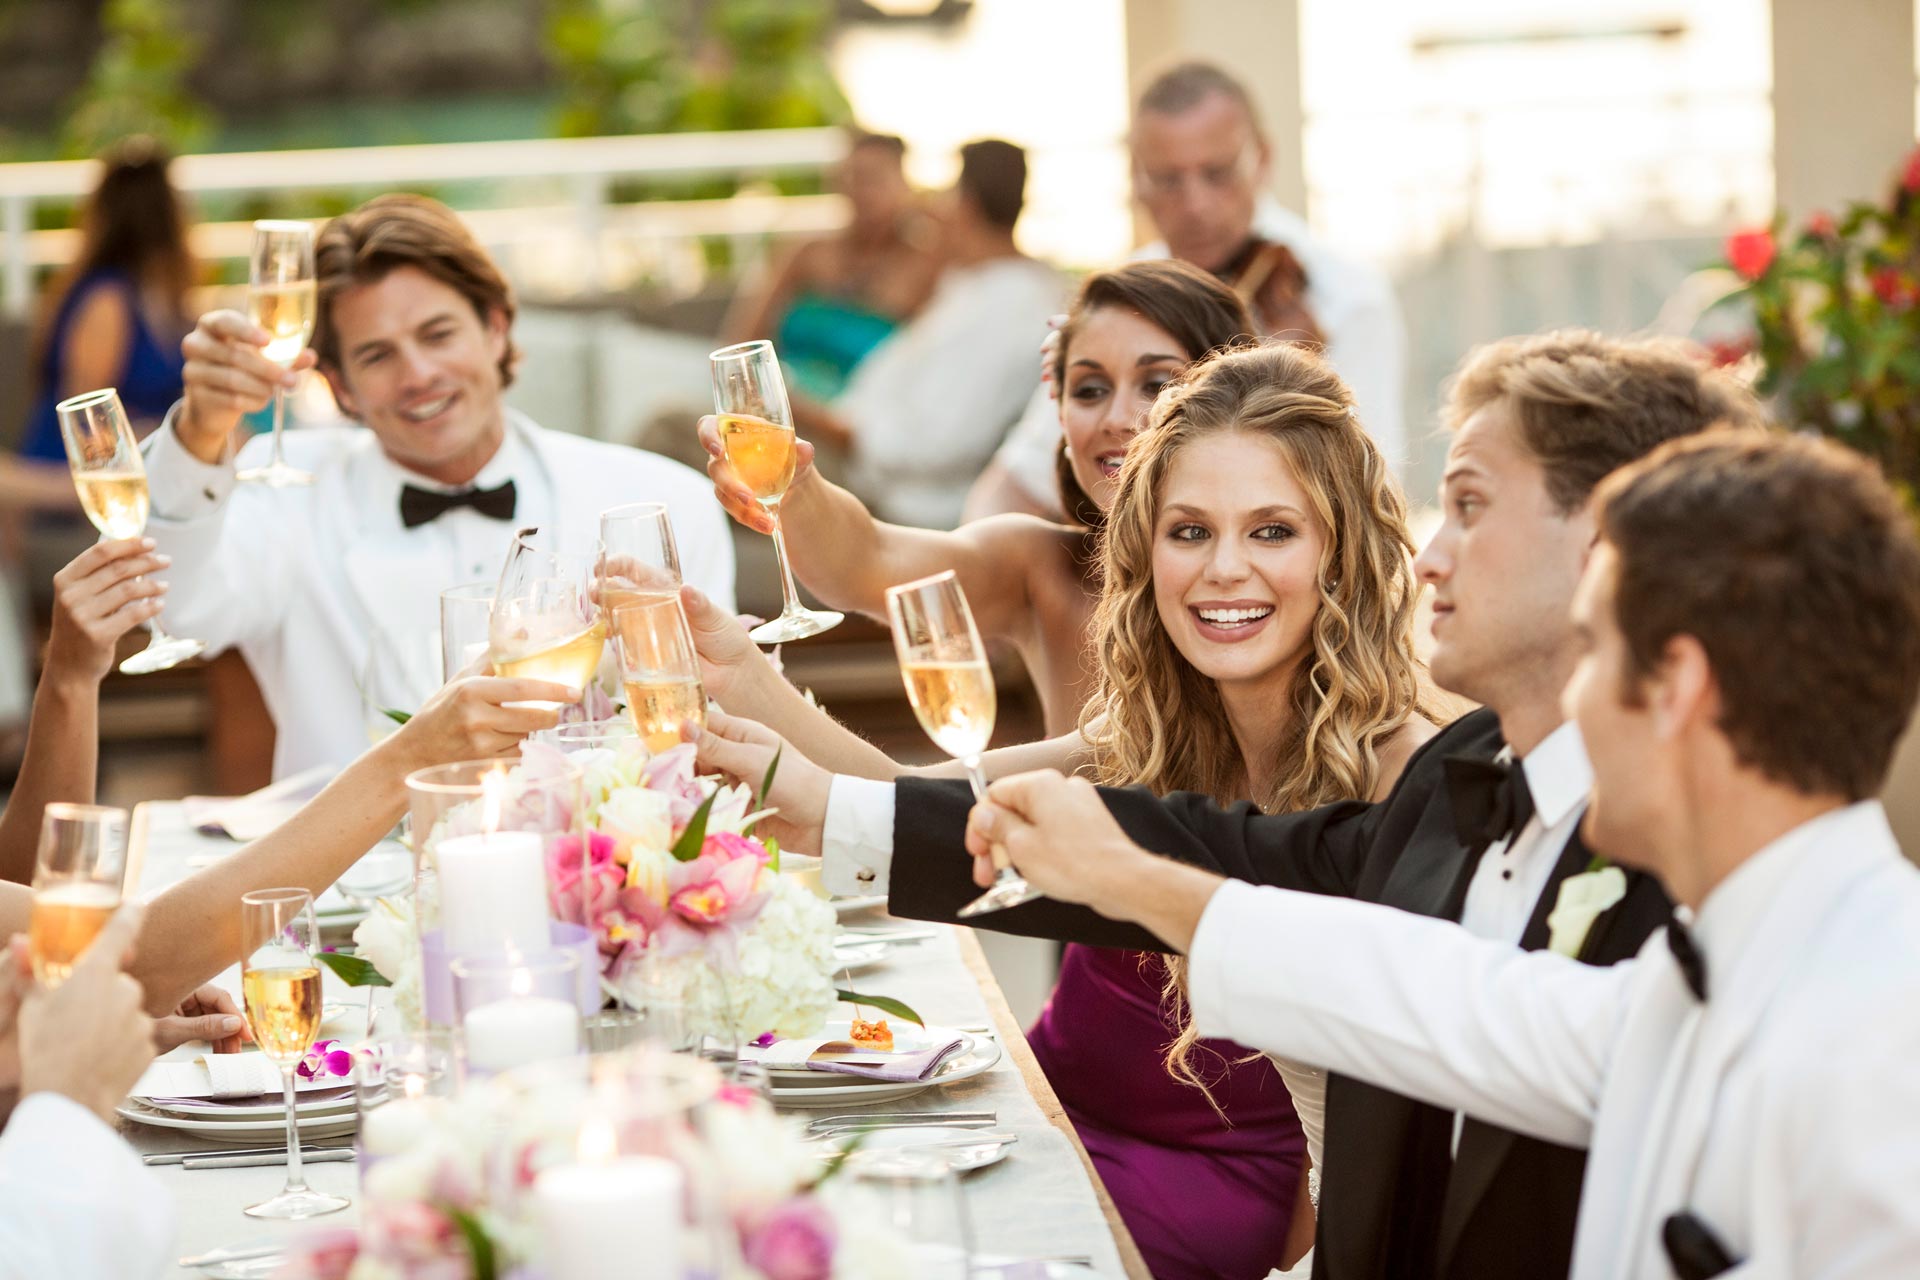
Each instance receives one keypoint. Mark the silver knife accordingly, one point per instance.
(180, 1157)
(923, 1117)
(331, 1155)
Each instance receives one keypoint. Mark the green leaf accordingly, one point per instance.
(766, 783)
(885, 1004)
(773, 855)
(687, 847)
(479, 1244)
(398, 717)
(352, 970)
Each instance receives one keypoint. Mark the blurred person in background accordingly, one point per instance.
(923, 412)
(830, 301)
(1201, 168)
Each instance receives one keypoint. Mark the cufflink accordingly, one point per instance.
(864, 875)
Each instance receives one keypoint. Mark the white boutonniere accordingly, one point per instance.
(1582, 898)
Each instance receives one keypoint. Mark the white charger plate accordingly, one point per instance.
(831, 1089)
(856, 957)
(844, 907)
(332, 1124)
(217, 1110)
(963, 1159)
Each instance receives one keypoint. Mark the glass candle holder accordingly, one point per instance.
(516, 1010)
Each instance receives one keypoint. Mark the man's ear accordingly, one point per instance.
(1682, 692)
(341, 395)
(497, 326)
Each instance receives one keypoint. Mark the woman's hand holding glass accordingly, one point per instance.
(99, 596)
(734, 495)
(744, 750)
(478, 717)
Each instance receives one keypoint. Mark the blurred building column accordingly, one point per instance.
(1257, 41)
(1843, 99)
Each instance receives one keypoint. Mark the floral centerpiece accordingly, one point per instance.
(1835, 323)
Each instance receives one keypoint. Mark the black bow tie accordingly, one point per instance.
(1687, 954)
(1490, 800)
(419, 506)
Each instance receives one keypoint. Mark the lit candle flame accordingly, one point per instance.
(521, 983)
(597, 1143)
(413, 1086)
(493, 785)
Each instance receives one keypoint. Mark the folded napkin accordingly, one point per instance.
(847, 1058)
(220, 1075)
(251, 816)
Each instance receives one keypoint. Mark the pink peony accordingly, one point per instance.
(1751, 252)
(794, 1242)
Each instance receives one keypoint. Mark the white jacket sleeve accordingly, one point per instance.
(75, 1201)
(1409, 1003)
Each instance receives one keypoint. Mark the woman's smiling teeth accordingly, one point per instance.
(1233, 617)
(429, 409)
(1109, 463)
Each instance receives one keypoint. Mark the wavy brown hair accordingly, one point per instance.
(1155, 720)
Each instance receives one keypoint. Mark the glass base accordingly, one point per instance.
(1008, 891)
(277, 475)
(291, 1205)
(797, 625)
(161, 654)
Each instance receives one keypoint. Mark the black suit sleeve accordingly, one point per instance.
(1318, 851)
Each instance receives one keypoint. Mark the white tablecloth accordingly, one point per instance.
(1037, 1202)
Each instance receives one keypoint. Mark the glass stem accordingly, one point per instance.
(978, 782)
(789, 594)
(279, 419)
(296, 1180)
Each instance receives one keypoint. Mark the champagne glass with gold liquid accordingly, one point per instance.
(638, 562)
(76, 884)
(544, 624)
(660, 671)
(112, 483)
(281, 982)
(280, 299)
(756, 429)
(951, 689)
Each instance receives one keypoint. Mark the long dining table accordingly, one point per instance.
(1043, 1201)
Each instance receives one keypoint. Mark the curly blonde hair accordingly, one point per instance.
(1156, 721)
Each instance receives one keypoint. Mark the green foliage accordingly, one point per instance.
(352, 970)
(138, 81)
(687, 847)
(885, 1004)
(1836, 324)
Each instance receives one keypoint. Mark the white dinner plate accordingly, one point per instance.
(845, 907)
(333, 1124)
(831, 1089)
(977, 1155)
(851, 956)
(227, 1111)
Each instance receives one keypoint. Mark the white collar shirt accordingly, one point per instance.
(1513, 873)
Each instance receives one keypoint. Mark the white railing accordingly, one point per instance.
(573, 176)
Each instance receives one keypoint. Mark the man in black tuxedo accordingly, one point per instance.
(1407, 1191)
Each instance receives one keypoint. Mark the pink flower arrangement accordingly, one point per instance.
(794, 1242)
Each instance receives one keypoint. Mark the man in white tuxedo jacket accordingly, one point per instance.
(1751, 623)
(413, 331)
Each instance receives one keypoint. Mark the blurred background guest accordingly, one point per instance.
(830, 301)
(922, 414)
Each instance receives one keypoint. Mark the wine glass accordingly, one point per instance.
(756, 429)
(76, 884)
(638, 559)
(281, 982)
(112, 482)
(951, 688)
(544, 624)
(914, 1197)
(280, 299)
(465, 612)
(659, 670)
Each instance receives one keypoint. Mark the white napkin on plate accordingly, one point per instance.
(220, 1075)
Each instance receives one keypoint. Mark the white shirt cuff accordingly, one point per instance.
(856, 841)
(1210, 966)
(75, 1201)
(179, 485)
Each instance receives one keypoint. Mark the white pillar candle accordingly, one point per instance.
(618, 1220)
(520, 1029)
(493, 892)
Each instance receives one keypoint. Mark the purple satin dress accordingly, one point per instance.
(1202, 1198)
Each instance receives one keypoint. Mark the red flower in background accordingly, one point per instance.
(1894, 288)
(1821, 225)
(1910, 177)
(1723, 352)
(1751, 252)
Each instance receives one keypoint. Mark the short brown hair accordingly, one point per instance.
(387, 232)
(993, 174)
(1193, 306)
(1587, 405)
(1187, 84)
(1794, 564)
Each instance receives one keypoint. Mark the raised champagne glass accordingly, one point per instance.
(544, 624)
(76, 884)
(281, 982)
(659, 670)
(280, 299)
(112, 482)
(756, 430)
(638, 561)
(951, 688)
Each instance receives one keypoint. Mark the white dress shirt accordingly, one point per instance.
(1780, 1112)
(929, 404)
(301, 579)
(75, 1201)
(1356, 309)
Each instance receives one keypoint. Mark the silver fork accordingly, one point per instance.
(900, 1118)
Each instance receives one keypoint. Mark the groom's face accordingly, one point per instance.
(1503, 566)
(1632, 761)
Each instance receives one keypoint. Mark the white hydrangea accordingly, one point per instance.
(388, 940)
(782, 981)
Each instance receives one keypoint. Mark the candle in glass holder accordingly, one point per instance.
(593, 1215)
(519, 1029)
(493, 892)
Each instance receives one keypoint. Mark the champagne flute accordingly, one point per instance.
(76, 884)
(659, 670)
(281, 982)
(951, 688)
(465, 614)
(112, 482)
(638, 559)
(756, 429)
(280, 299)
(544, 624)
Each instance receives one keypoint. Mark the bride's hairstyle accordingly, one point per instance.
(1191, 306)
(1156, 721)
